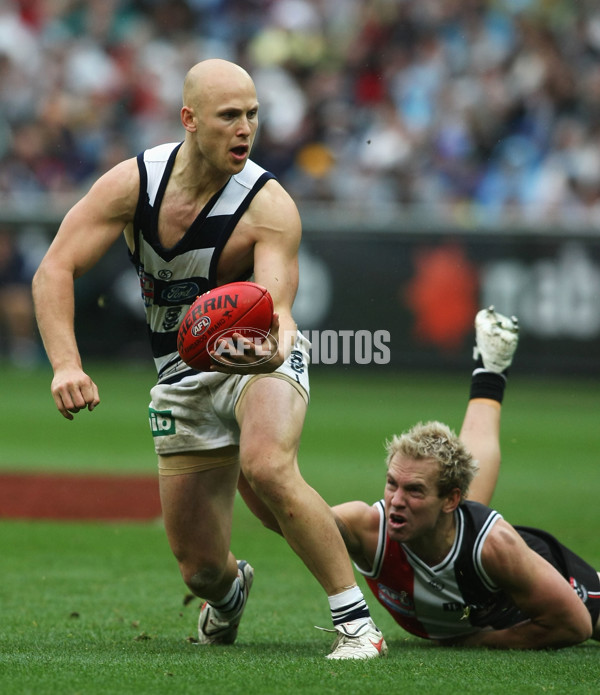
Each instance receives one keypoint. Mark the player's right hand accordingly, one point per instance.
(73, 390)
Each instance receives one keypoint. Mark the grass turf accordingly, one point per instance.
(99, 608)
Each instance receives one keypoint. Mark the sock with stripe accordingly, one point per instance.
(349, 605)
(231, 603)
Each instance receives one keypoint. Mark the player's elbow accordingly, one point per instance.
(572, 632)
(581, 631)
(579, 624)
(48, 275)
(39, 283)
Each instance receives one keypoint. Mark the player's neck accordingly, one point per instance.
(432, 548)
(195, 175)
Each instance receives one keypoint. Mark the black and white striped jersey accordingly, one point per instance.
(457, 597)
(435, 602)
(171, 279)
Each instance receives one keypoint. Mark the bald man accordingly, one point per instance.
(198, 214)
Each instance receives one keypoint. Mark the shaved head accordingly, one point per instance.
(214, 78)
(220, 115)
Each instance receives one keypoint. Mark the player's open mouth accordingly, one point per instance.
(396, 521)
(239, 152)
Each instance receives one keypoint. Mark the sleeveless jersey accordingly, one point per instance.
(454, 598)
(171, 279)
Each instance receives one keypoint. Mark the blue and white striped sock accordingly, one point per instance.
(347, 606)
(231, 603)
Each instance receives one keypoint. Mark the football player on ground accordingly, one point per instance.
(446, 566)
(198, 214)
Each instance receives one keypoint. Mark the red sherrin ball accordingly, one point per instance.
(217, 313)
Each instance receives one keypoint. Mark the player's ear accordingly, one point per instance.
(451, 501)
(187, 119)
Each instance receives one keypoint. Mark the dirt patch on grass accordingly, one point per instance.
(83, 497)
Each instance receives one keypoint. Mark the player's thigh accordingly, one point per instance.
(271, 416)
(198, 506)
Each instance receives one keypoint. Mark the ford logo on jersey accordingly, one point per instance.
(181, 292)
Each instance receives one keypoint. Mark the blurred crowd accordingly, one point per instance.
(18, 333)
(477, 111)
(473, 113)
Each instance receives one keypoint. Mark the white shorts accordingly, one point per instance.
(198, 413)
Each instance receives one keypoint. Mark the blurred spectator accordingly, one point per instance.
(474, 110)
(18, 335)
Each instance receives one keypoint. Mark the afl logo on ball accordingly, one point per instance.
(200, 326)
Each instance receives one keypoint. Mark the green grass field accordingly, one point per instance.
(97, 608)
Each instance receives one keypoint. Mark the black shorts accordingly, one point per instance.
(581, 576)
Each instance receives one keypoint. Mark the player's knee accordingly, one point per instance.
(272, 482)
(264, 483)
(268, 468)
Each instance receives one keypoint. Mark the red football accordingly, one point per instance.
(242, 307)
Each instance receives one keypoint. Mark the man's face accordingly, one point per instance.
(227, 120)
(412, 505)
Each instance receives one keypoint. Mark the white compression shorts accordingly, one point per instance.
(198, 413)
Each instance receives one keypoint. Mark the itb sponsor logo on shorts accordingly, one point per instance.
(162, 422)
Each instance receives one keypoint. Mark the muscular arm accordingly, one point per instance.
(557, 617)
(276, 258)
(272, 227)
(86, 233)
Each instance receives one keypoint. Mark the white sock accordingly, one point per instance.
(349, 605)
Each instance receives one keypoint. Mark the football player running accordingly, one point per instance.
(198, 214)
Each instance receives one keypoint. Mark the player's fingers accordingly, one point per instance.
(63, 402)
(62, 408)
(72, 398)
(92, 397)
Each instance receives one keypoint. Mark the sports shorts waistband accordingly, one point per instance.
(178, 377)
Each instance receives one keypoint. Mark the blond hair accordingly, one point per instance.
(436, 441)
